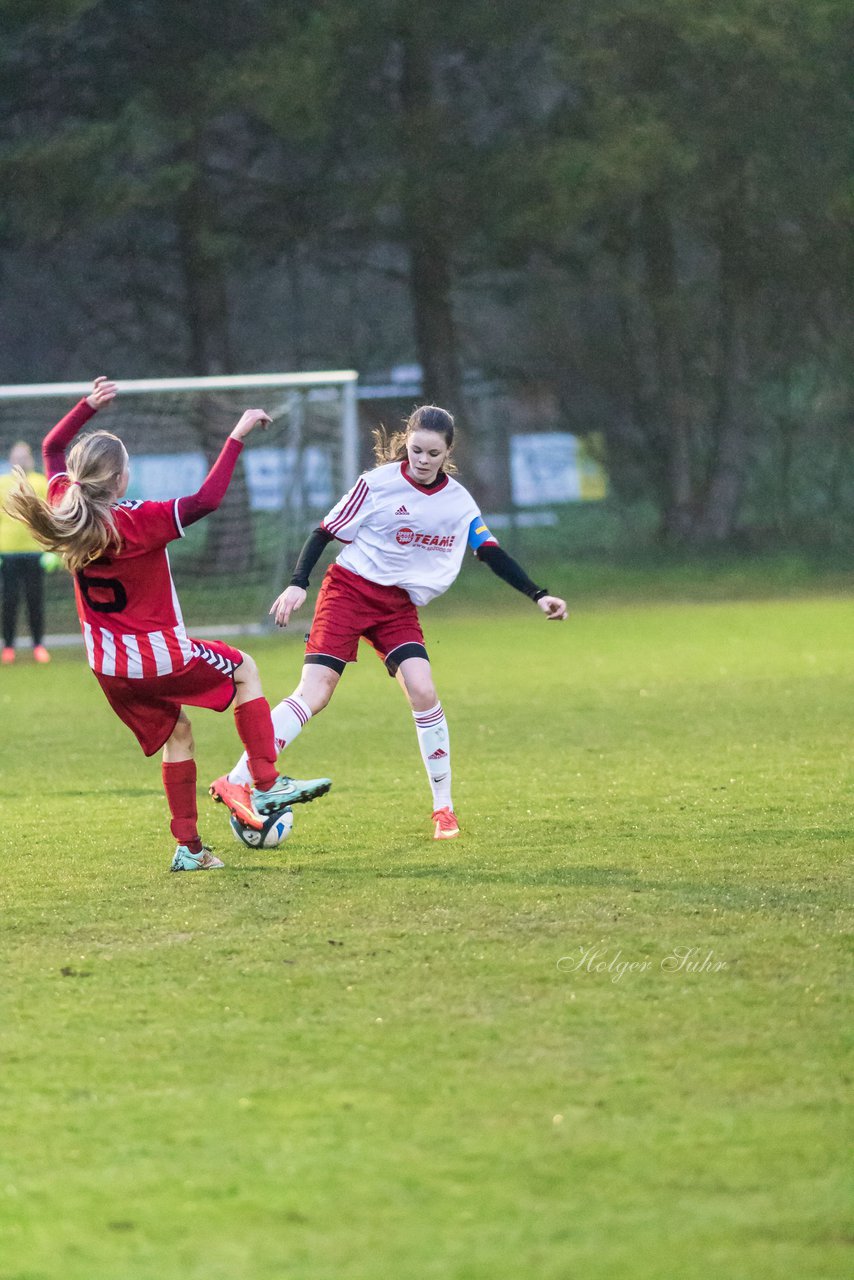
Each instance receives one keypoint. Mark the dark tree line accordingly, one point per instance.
(636, 206)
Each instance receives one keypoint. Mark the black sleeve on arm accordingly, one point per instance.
(311, 552)
(508, 569)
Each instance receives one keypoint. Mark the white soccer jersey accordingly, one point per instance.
(402, 535)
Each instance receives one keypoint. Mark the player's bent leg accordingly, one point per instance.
(247, 680)
(319, 680)
(180, 744)
(290, 716)
(257, 796)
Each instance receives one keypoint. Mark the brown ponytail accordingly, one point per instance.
(81, 526)
(429, 417)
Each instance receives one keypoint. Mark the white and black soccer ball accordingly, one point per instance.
(275, 830)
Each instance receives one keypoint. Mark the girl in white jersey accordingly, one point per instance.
(405, 528)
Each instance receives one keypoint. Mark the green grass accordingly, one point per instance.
(367, 1055)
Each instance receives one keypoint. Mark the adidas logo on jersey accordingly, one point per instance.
(401, 511)
(438, 754)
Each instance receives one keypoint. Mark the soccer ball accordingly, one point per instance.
(275, 830)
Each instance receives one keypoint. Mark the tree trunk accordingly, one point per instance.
(637, 449)
(429, 238)
(229, 543)
(725, 482)
(661, 287)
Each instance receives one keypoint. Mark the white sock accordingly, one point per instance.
(435, 743)
(290, 716)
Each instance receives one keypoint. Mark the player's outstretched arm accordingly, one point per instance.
(511, 572)
(196, 506)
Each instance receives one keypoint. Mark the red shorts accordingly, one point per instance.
(350, 608)
(150, 707)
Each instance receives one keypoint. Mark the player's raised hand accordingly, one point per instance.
(251, 419)
(103, 391)
(291, 599)
(554, 608)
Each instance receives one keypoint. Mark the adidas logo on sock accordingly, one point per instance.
(281, 743)
(438, 754)
(401, 511)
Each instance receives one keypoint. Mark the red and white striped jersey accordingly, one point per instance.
(401, 534)
(127, 603)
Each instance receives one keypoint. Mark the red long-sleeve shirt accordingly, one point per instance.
(126, 601)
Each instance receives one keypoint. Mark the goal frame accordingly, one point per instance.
(346, 379)
(344, 440)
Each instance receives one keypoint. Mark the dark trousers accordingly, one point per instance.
(22, 572)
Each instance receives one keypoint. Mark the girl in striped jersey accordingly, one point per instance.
(405, 527)
(136, 642)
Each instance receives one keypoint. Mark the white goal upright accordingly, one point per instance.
(231, 565)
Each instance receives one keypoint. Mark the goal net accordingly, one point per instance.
(231, 565)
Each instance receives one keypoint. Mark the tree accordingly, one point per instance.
(390, 107)
(691, 164)
(129, 138)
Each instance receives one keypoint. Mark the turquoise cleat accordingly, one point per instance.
(287, 791)
(186, 861)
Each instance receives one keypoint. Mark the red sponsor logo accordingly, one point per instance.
(438, 754)
(430, 541)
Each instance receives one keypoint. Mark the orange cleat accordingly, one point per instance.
(446, 824)
(41, 654)
(236, 798)
(8, 656)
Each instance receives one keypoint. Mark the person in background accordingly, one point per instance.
(22, 562)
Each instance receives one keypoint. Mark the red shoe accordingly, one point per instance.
(236, 798)
(7, 657)
(41, 654)
(446, 824)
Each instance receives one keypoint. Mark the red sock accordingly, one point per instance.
(179, 783)
(258, 737)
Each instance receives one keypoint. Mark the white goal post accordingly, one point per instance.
(230, 566)
(346, 379)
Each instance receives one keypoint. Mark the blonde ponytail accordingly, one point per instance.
(80, 527)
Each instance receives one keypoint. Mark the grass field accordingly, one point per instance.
(604, 1035)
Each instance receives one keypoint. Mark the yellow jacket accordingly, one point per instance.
(14, 536)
